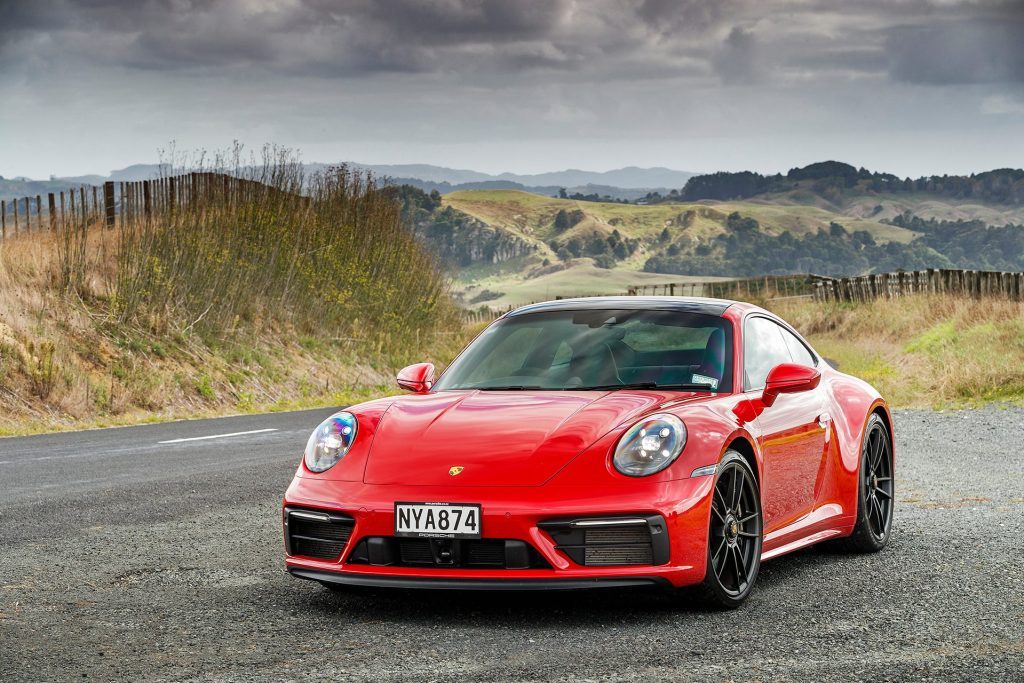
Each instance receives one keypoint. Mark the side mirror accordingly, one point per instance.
(418, 377)
(789, 378)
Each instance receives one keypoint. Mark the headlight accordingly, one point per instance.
(330, 441)
(650, 445)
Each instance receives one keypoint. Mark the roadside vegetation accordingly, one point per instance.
(923, 351)
(314, 289)
(308, 292)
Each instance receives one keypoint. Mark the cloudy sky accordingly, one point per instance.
(910, 86)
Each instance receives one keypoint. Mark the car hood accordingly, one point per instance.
(498, 438)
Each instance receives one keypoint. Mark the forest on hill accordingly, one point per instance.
(833, 179)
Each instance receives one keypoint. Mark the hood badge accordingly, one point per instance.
(456, 470)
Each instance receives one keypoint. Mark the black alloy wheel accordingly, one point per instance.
(875, 495)
(735, 534)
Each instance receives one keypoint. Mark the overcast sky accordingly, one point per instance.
(910, 86)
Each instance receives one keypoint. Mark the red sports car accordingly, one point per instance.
(598, 442)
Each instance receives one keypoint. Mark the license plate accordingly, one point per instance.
(437, 520)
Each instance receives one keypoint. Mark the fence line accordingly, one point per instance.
(974, 283)
(121, 201)
(862, 288)
(766, 286)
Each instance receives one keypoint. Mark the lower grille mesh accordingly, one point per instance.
(482, 553)
(610, 541)
(415, 551)
(320, 539)
(618, 545)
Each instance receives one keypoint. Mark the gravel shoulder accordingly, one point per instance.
(181, 578)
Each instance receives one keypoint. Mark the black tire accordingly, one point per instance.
(734, 536)
(875, 496)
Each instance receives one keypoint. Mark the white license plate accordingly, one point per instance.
(437, 520)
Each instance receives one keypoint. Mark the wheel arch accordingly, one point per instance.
(742, 445)
(882, 411)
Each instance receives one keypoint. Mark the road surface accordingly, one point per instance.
(154, 553)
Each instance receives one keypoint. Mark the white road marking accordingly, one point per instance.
(219, 436)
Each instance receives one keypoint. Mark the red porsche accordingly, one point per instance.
(598, 442)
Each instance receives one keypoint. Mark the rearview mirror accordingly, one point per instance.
(418, 377)
(789, 378)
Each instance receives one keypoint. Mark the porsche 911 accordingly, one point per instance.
(605, 442)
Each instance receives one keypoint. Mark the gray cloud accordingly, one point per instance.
(918, 41)
(508, 81)
(739, 59)
(958, 52)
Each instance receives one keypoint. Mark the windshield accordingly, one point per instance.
(603, 349)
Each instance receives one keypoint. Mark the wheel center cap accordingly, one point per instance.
(732, 529)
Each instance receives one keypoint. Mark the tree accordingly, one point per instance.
(561, 221)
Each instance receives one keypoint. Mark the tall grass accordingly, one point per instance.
(325, 254)
(925, 350)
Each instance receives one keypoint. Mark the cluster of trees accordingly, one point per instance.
(605, 250)
(591, 197)
(456, 238)
(970, 244)
(832, 178)
(567, 219)
(745, 250)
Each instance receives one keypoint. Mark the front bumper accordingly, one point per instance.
(513, 513)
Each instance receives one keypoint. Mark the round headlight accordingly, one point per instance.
(650, 445)
(330, 441)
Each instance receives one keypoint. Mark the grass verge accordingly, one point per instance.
(923, 351)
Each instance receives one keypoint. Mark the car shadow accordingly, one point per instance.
(780, 578)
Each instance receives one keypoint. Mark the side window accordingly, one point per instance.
(763, 349)
(799, 352)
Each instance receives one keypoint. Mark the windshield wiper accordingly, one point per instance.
(647, 385)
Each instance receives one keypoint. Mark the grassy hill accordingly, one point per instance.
(583, 247)
(532, 216)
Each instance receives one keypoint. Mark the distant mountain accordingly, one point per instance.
(613, 193)
(630, 177)
(629, 183)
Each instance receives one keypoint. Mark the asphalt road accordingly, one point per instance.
(125, 557)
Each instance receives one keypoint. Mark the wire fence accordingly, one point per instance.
(114, 202)
(862, 288)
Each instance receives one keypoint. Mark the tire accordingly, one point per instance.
(875, 501)
(734, 536)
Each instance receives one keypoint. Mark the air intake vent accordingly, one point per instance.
(484, 553)
(316, 534)
(617, 545)
(611, 541)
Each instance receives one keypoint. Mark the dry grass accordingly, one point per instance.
(923, 351)
(264, 305)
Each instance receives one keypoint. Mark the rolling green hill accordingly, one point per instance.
(582, 247)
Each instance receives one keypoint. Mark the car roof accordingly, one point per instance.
(687, 304)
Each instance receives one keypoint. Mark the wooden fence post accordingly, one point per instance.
(39, 212)
(15, 202)
(108, 203)
(147, 206)
(51, 203)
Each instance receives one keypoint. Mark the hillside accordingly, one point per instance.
(796, 230)
(236, 297)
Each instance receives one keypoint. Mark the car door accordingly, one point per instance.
(792, 430)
